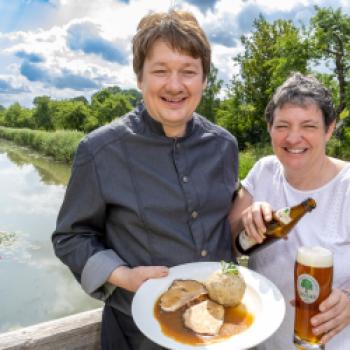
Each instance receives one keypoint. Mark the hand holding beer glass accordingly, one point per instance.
(313, 277)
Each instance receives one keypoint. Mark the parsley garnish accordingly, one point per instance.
(229, 268)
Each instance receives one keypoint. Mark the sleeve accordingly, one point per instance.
(249, 182)
(79, 236)
(231, 163)
(236, 165)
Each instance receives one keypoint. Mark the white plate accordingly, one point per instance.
(262, 299)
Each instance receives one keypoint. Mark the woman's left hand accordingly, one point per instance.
(333, 317)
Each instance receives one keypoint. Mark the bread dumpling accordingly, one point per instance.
(226, 286)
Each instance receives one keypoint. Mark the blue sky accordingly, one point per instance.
(67, 48)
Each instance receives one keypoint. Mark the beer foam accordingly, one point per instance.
(315, 256)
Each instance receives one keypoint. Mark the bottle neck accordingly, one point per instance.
(309, 204)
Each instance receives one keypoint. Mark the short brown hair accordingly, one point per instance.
(179, 29)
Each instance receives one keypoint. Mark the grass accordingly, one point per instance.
(248, 157)
(59, 144)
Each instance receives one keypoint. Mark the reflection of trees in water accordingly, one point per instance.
(16, 158)
(7, 238)
(50, 171)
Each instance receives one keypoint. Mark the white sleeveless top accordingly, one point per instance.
(328, 225)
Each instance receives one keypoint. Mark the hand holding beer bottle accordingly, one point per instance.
(278, 226)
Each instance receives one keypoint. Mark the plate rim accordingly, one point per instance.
(251, 277)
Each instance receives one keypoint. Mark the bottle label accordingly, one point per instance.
(308, 288)
(245, 241)
(283, 215)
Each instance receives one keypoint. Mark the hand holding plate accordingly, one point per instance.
(132, 278)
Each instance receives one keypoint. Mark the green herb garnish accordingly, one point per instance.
(229, 268)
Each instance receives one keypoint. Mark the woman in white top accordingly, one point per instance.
(301, 120)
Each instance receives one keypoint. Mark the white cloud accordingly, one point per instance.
(115, 23)
(222, 58)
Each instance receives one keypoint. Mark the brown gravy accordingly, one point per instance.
(237, 319)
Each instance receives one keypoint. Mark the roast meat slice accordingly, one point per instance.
(206, 317)
(180, 293)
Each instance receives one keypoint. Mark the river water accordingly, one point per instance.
(34, 285)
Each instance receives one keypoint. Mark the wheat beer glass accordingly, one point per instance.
(313, 277)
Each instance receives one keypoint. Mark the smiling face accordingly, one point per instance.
(299, 137)
(172, 85)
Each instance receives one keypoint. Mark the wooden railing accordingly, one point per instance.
(77, 332)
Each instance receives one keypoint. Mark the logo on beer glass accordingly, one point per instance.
(308, 288)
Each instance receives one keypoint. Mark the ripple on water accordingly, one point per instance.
(15, 247)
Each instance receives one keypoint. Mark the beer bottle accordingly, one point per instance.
(283, 220)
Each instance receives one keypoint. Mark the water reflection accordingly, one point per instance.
(34, 286)
(49, 171)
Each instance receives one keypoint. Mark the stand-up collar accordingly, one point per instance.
(155, 127)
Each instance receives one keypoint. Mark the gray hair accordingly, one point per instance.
(302, 90)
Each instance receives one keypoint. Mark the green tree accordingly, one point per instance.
(133, 95)
(210, 101)
(100, 96)
(2, 114)
(72, 114)
(81, 99)
(43, 113)
(113, 107)
(17, 116)
(110, 103)
(271, 52)
(330, 39)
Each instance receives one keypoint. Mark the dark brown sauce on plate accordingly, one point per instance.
(237, 319)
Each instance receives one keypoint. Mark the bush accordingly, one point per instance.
(338, 148)
(248, 157)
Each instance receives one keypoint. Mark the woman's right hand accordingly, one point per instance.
(132, 278)
(254, 218)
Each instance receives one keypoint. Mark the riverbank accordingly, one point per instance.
(59, 144)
